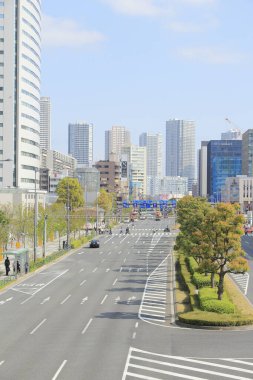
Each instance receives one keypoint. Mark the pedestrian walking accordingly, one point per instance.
(7, 265)
(26, 267)
(18, 266)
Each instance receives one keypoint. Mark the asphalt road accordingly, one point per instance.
(107, 313)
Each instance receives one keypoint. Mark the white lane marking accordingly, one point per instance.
(81, 270)
(122, 240)
(136, 325)
(127, 364)
(134, 335)
(59, 370)
(62, 302)
(37, 327)
(195, 369)
(2, 362)
(45, 300)
(84, 300)
(61, 274)
(117, 299)
(115, 281)
(83, 282)
(9, 299)
(124, 259)
(103, 300)
(120, 269)
(107, 270)
(87, 326)
(238, 361)
(94, 270)
(119, 252)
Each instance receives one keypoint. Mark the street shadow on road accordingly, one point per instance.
(135, 290)
(118, 315)
(134, 281)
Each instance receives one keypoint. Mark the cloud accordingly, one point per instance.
(137, 7)
(185, 27)
(211, 55)
(199, 2)
(68, 33)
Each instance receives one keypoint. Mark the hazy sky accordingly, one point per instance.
(139, 63)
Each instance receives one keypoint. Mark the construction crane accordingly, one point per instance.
(234, 133)
(230, 122)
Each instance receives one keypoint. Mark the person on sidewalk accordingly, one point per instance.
(7, 265)
(26, 267)
(18, 267)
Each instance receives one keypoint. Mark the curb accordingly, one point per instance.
(214, 328)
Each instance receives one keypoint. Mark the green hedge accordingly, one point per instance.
(79, 242)
(208, 302)
(201, 280)
(186, 276)
(201, 318)
(191, 264)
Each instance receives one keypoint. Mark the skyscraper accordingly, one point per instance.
(232, 134)
(45, 123)
(80, 142)
(115, 139)
(247, 153)
(153, 142)
(20, 50)
(137, 160)
(180, 150)
(224, 159)
(202, 169)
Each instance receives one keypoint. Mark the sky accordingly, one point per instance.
(138, 63)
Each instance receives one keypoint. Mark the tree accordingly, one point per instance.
(4, 227)
(105, 200)
(70, 193)
(212, 236)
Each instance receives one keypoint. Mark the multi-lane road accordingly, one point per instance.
(108, 313)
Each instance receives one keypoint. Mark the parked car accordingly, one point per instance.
(94, 243)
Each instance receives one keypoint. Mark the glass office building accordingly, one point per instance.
(224, 159)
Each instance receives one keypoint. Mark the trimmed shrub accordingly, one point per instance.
(208, 302)
(201, 280)
(191, 264)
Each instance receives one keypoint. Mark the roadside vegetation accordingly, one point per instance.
(208, 248)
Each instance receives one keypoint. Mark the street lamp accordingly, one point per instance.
(35, 216)
(45, 236)
(68, 216)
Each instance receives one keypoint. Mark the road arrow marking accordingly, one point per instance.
(84, 300)
(107, 270)
(45, 300)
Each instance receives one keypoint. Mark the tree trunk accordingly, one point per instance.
(221, 285)
(212, 280)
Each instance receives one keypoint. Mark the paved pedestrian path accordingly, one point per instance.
(153, 366)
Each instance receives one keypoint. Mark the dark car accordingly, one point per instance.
(94, 244)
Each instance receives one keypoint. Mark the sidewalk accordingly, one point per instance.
(51, 247)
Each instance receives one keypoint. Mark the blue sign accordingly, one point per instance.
(126, 204)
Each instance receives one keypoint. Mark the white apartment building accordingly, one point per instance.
(115, 139)
(153, 143)
(202, 169)
(80, 142)
(45, 123)
(180, 150)
(239, 189)
(232, 134)
(20, 62)
(58, 162)
(137, 162)
(167, 187)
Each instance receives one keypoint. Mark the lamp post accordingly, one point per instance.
(68, 224)
(97, 212)
(45, 236)
(35, 216)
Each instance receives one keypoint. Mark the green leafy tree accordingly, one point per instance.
(70, 192)
(4, 227)
(105, 200)
(212, 236)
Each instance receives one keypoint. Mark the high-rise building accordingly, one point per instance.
(20, 51)
(45, 123)
(224, 159)
(115, 139)
(180, 150)
(247, 153)
(153, 143)
(202, 169)
(80, 142)
(137, 162)
(110, 172)
(232, 134)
